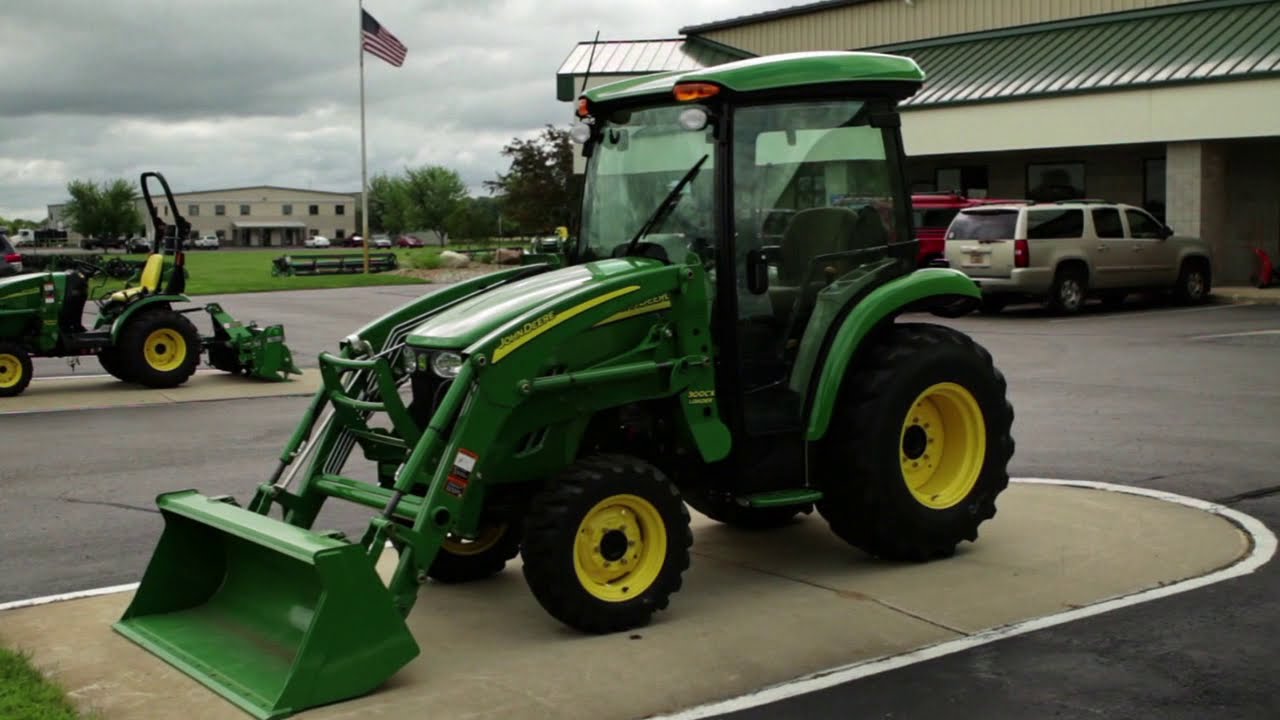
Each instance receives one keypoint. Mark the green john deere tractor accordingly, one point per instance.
(138, 335)
(727, 333)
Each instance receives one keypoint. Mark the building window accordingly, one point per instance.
(1048, 182)
(340, 210)
(969, 180)
(222, 235)
(244, 209)
(193, 210)
(313, 209)
(1153, 197)
(286, 209)
(339, 234)
(314, 232)
(219, 209)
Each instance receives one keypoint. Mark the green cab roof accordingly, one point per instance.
(772, 72)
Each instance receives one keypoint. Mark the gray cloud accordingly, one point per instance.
(242, 92)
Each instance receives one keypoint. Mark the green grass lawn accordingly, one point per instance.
(26, 695)
(218, 272)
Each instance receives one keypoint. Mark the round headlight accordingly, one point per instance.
(446, 364)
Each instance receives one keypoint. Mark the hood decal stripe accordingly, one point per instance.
(533, 329)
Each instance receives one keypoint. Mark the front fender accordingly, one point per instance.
(137, 306)
(941, 290)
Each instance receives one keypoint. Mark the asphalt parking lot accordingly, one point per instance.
(1178, 399)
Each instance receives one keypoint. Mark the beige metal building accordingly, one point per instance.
(1173, 105)
(257, 216)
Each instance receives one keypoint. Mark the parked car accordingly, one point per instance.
(96, 243)
(931, 213)
(10, 259)
(381, 241)
(206, 242)
(139, 245)
(1064, 252)
(353, 241)
(408, 241)
(316, 241)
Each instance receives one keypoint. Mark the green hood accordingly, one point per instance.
(468, 321)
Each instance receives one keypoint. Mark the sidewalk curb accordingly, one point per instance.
(1245, 296)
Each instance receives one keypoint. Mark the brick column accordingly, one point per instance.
(1196, 202)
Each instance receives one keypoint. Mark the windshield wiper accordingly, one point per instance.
(668, 204)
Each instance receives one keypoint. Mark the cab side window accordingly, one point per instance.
(1142, 225)
(1055, 224)
(1106, 222)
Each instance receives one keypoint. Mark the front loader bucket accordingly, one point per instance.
(273, 617)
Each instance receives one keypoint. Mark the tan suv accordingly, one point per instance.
(1062, 253)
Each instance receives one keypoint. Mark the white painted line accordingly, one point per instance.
(1123, 315)
(1247, 333)
(1264, 547)
(16, 604)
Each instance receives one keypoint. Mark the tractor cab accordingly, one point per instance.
(793, 202)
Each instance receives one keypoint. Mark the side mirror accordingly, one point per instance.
(1165, 232)
(757, 272)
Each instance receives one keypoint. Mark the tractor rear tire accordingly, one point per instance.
(883, 491)
(606, 543)
(460, 561)
(159, 348)
(111, 361)
(15, 369)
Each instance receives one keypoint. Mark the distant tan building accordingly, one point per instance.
(257, 216)
(1172, 105)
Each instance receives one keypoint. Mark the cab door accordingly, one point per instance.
(1112, 253)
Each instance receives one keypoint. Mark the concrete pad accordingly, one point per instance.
(755, 610)
(99, 391)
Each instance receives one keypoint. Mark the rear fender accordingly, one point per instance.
(138, 306)
(942, 291)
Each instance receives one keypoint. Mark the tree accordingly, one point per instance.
(434, 193)
(421, 199)
(473, 220)
(103, 210)
(540, 191)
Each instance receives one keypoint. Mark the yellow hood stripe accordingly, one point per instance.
(516, 344)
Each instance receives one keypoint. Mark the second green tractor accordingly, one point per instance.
(729, 333)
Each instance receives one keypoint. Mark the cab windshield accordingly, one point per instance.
(640, 157)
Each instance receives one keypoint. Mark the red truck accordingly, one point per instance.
(932, 213)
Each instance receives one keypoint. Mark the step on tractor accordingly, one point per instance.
(571, 414)
(138, 336)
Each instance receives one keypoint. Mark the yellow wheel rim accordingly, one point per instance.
(10, 371)
(489, 536)
(620, 548)
(942, 445)
(165, 349)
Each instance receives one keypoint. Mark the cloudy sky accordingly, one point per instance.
(220, 93)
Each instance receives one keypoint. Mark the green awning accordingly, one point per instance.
(1185, 43)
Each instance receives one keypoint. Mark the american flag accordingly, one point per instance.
(377, 40)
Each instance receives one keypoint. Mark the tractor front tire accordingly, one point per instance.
(606, 543)
(159, 348)
(919, 446)
(15, 369)
(460, 561)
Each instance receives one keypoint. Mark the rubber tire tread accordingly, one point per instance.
(110, 360)
(866, 501)
(449, 568)
(551, 526)
(24, 361)
(1055, 291)
(1180, 289)
(134, 335)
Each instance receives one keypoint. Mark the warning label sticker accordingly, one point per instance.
(460, 475)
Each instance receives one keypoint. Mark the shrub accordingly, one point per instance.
(424, 261)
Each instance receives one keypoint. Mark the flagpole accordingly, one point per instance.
(364, 172)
